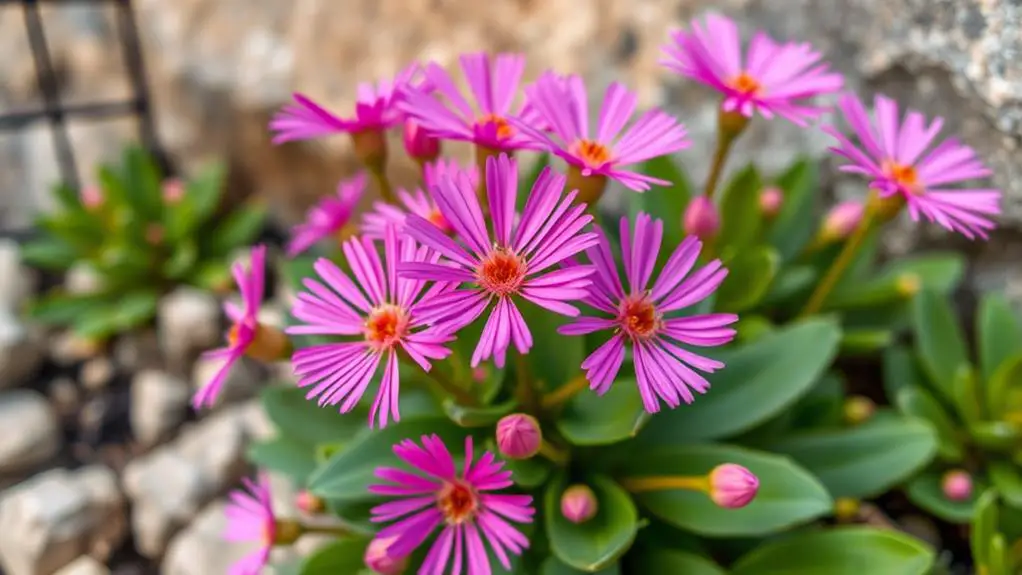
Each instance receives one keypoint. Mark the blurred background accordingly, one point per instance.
(104, 467)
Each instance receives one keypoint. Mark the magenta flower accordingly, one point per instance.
(663, 369)
(250, 518)
(463, 504)
(446, 114)
(512, 263)
(380, 309)
(563, 104)
(774, 79)
(419, 202)
(328, 217)
(245, 335)
(375, 110)
(896, 159)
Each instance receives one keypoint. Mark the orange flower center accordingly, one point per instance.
(593, 154)
(504, 130)
(457, 502)
(502, 272)
(385, 326)
(905, 176)
(745, 84)
(638, 317)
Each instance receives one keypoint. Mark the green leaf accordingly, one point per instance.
(939, 341)
(925, 491)
(673, 562)
(554, 359)
(752, 327)
(998, 333)
(466, 416)
(859, 342)
(865, 460)
(967, 397)
(554, 566)
(203, 192)
(939, 272)
(1006, 478)
(788, 495)
(984, 526)
(599, 542)
(142, 183)
(284, 455)
(590, 419)
(996, 435)
(840, 551)
(1004, 388)
(183, 260)
(529, 473)
(795, 224)
(790, 282)
(758, 381)
(917, 402)
(344, 556)
(238, 229)
(307, 422)
(60, 308)
(49, 253)
(668, 203)
(899, 371)
(750, 275)
(739, 209)
(127, 312)
(348, 473)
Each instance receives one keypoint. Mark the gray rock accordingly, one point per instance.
(67, 348)
(21, 350)
(17, 282)
(58, 516)
(201, 549)
(159, 403)
(242, 382)
(97, 373)
(84, 565)
(64, 395)
(138, 350)
(189, 322)
(29, 432)
(82, 279)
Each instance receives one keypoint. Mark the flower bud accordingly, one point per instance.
(701, 218)
(846, 509)
(479, 374)
(378, 561)
(578, 504)
(309, 503)
(908, 284)
(518, 436)
(770, 202)
(858, 409)
(91, 197)
(173, 191)
(840, 221)
(732, 486)
(957, 485)
(419, 145)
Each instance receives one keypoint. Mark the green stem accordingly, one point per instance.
(383, 184)
(525, 392)
(460, 395)
(840, 265)
(666, 482)
(717, 167)
(557, 455)
(567, 391)
(338, 530)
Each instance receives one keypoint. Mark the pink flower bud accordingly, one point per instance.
(309, 503)
(173, 191)
(841, 220)
(701, 218)
(578, 504)
(479, 374)
(957, 485)
(91, 196)
(518, 436)
(418, 144)
(770, 202)
(732, 486)
(377, 559)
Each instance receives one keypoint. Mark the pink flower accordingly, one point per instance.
(894, 156)
(732, 486)
(841, 220)
(375, 110)
(662, 367)
(446, 114)
(382, 315)
(774, 79)
(250, 518)
(418, 202)
(328, 217)
(418, 144)
(513, 261)
(564, 105)
(245, 333)
(461, 504)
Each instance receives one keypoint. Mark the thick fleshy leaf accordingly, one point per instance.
(1004, 388)
(939, 340)
(795, 224)
(671, 562)
(865, 460)
(984, 526)
(900, 371)
(925, 491)
(758, 381)
(865, 342)
(739, 210)
(467, 416)
(917, 402)
(750, 274)
(791, 281)
(305, 421)
(936, 271)
(284, 455)
(788, 494)
(554, 566)
(590, 419)
(554, 359)
(666, 203)
(1003, 436)
(238, 229)
(599, 542)
(1008, 480)
(968, 396)
(998, 332)
(341, 556)
(129, 311)
(49, 253)
(841, 551)
(529, 473)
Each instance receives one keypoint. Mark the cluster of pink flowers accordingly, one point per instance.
(459, 249)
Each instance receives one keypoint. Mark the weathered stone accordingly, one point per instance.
(159, 403)
(64, 394)
(201, 549)
(84, 565)
(82, 279)
(67, 348)
(29, 433)
(189, 322)
(16, 281)
(97, 373)
(21, 350)
(138, 350)
(242, 382)
(55, 517)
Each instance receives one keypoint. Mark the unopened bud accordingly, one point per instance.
(479, 374)
(286, 531)
(579, 504)
(701, 218)
(419, 145)
(309, 503)
(377, 559)
(518, 436)
(957, 485)
(269, 344)
(732, 486)
(770, 202)
(840, 221)
(858, 409)
(909, 284)
(731, 123)
(91, 197)
(173, 191)
(846, 509)
(590, 186)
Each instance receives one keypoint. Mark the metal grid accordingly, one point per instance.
(53, 109)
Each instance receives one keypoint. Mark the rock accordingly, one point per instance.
(84, 565)
(97, 373)
(189, 322)
(64, 394)
(17, 282)
(29, 433)
(138, 350)
(169, 485)
(67, 348)
(159, 403)
(21, 350)
(243, 380)
(82, 279)
(201, 549)
(58, 516)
